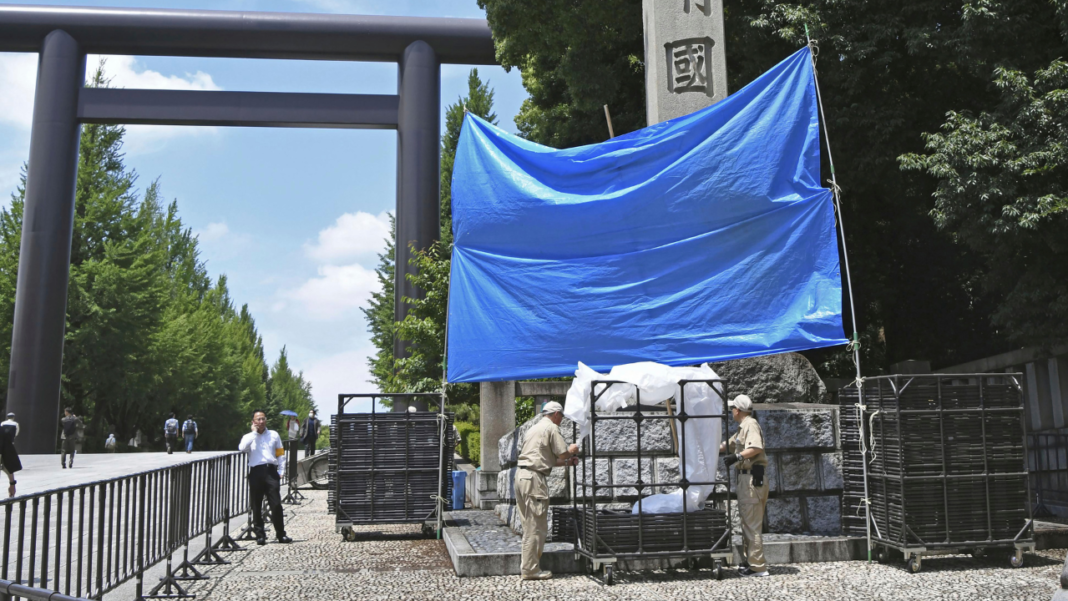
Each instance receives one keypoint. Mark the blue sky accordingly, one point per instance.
(294, 218)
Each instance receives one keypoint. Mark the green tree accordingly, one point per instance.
(287, 390)
(380, 317)
(575, 58)
(1003, 193)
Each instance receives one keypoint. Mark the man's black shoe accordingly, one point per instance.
(261, 541)
(284, 539)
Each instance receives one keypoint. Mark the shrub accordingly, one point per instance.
(470, 441)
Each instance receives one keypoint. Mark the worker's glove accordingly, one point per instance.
(730, 460)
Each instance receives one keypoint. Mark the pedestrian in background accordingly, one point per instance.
(189, 430)
(543, 448)
(10, 424)
(170, 433)
(111, 444)
(266, 460)
(292, 427)
(9, 455)
(71, 425)
(312, 428)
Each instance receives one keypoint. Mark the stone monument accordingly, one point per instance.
(685, 60)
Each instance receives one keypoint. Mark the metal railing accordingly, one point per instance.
(86, 540)
(9, 590)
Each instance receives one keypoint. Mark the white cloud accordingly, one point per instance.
(353, 236)
(214, 231)
(18, 77)
(221, 243)
(126, 72)
(338, 293)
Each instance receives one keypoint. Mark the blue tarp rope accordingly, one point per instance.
(854, 344)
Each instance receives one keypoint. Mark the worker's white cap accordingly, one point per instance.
(551, 407)
(742, 403)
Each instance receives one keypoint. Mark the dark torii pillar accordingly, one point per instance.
(44, 257)
(418, 177)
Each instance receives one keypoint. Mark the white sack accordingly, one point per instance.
(658, 383)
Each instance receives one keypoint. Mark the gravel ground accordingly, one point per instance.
(394, 563)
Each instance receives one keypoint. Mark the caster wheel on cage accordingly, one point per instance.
(348, 534)
(609, 577)
(882, 555)
(1016, 560)
(914, 564)
(718, 570)
(979, 553)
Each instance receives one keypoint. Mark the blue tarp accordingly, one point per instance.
(707, 237)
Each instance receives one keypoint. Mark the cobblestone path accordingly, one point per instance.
(394, 563)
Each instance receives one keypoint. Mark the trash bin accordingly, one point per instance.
(459, 488)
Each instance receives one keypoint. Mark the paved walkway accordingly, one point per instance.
(395, 562)
(43, 472)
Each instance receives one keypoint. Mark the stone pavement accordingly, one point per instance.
(395, 562)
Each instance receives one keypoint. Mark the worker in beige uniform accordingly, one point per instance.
(746, 449)
(543, 448)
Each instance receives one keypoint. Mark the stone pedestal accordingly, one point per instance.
(685, 60)
(496, 418)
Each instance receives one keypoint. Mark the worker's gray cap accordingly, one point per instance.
(551, 407)
(742, 403)
(11, 415)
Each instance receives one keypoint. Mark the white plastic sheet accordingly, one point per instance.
(658, 383)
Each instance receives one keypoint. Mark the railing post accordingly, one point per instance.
(141, 538)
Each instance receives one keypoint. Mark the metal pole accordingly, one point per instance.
(44, 259)
(418, 147)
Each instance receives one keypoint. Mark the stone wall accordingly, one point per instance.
(804, 466)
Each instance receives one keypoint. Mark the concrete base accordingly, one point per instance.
(482, 489)
(1049, 535)
(811, 549)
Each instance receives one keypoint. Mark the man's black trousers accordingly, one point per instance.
(309, 448)
(263, 480)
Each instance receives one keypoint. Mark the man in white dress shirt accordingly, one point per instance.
(266, 460)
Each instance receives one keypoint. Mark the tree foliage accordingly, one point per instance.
(147, 332)
(1003, 193)
(287, 391)
(380, 316)
(575, 58)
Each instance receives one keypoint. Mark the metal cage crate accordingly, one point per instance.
(603, 537)
(389, 467)
(946, 469)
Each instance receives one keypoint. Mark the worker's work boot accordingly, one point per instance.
(542, 575)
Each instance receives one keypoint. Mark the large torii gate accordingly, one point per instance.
(64, 35)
